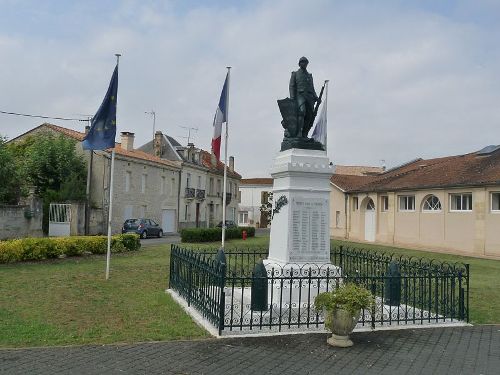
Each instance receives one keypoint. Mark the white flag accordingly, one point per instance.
(320, 130)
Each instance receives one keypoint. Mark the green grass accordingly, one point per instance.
(484, 279)
(68, 301)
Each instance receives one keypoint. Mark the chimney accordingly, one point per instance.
(157, 144)
(87, 129)
(231, 163)
(127, 141)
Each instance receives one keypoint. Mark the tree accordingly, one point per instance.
(53, 167)
(10, 186)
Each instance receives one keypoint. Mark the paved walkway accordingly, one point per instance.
(460, 350)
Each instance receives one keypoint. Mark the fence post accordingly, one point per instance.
(467, 285)
(259, 288)
(393, 285)
(374, 291)
(461, 304)
(221, 258)
(190, 283)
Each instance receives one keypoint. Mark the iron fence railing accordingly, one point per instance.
(232, 294)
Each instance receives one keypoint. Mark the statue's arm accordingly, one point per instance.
(293, 86)
(313, 90)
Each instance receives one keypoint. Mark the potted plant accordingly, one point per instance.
(342, 308)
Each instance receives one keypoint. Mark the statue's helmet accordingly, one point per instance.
(304, 59)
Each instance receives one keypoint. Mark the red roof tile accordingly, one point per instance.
(206, 159)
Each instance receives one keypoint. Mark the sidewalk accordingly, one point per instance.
(460, 350)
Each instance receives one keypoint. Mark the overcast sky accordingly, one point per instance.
(406, 80)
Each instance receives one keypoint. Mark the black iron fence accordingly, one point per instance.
(235, 291)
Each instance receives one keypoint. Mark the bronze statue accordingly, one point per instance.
(299, 111)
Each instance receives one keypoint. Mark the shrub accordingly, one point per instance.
(46, 248)
(214, 234)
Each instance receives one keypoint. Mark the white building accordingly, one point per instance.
(253, 194)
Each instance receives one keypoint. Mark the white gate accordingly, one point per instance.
(59, 219)
(370, 221)
(168, 221)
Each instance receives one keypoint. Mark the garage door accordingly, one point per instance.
(168, 221)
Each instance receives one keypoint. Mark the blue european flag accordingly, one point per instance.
(103, 127)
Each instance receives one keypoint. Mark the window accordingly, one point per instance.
(461, 202)
(432, 203)
(384, 203)
(162, 185)
(199, 182)
(143, 183)
(188, 180)
(355, 203)
(243, 217)
(186, 213)
(337, 219)
(128, 176)
(495, 202)
(172, 186)
(211, 187)
(406, 203)
(219, 185)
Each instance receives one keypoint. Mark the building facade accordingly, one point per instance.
(449, 204)
(253, 194)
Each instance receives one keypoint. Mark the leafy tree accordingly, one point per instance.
(53, 167)
(10, 186)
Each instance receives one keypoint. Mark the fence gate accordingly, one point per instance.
(59, 219)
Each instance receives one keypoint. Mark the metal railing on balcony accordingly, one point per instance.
(200, 194)
(189, 193)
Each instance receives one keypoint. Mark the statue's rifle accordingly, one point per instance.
(318, 103)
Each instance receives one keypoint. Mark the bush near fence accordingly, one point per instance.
(27, 249)
(214, 234)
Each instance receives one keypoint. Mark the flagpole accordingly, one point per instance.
(110, 209)
(225, 162)
(326, 108)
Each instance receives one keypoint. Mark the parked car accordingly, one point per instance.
(143, 227)
(229, 224)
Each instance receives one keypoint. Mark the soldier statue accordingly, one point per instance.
(302, 91)
(299, 110)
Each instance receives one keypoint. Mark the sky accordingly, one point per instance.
(407, 79)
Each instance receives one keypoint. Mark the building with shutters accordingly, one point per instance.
(253, 194)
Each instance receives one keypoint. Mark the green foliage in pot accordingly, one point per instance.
(350, 297)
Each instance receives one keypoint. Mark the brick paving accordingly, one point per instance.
(457, 350)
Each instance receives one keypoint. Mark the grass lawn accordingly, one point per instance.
(484, 279)
(68, 302)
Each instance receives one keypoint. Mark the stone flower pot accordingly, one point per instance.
(341, 323)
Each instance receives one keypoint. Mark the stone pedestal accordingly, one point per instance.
(300, 228)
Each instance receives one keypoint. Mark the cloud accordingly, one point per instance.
(405, 81)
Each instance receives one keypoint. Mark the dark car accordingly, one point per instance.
(143, 227)
(229, 224)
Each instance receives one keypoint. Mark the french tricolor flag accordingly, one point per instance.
(220, 117)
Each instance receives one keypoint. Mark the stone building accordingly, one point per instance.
(201, 182)
(144, 185)
(449, 204)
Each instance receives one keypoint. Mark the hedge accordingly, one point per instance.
(214, 234)
(53, 247)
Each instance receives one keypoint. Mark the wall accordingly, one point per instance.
(14, 224)
(337, 204)
(474, 233)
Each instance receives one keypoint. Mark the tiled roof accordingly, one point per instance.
(136, 154)
(350, 182)
(257, 181)
(451, 171)
(206, 159)
(357, 170)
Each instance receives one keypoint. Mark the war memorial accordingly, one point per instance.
(273, 290)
